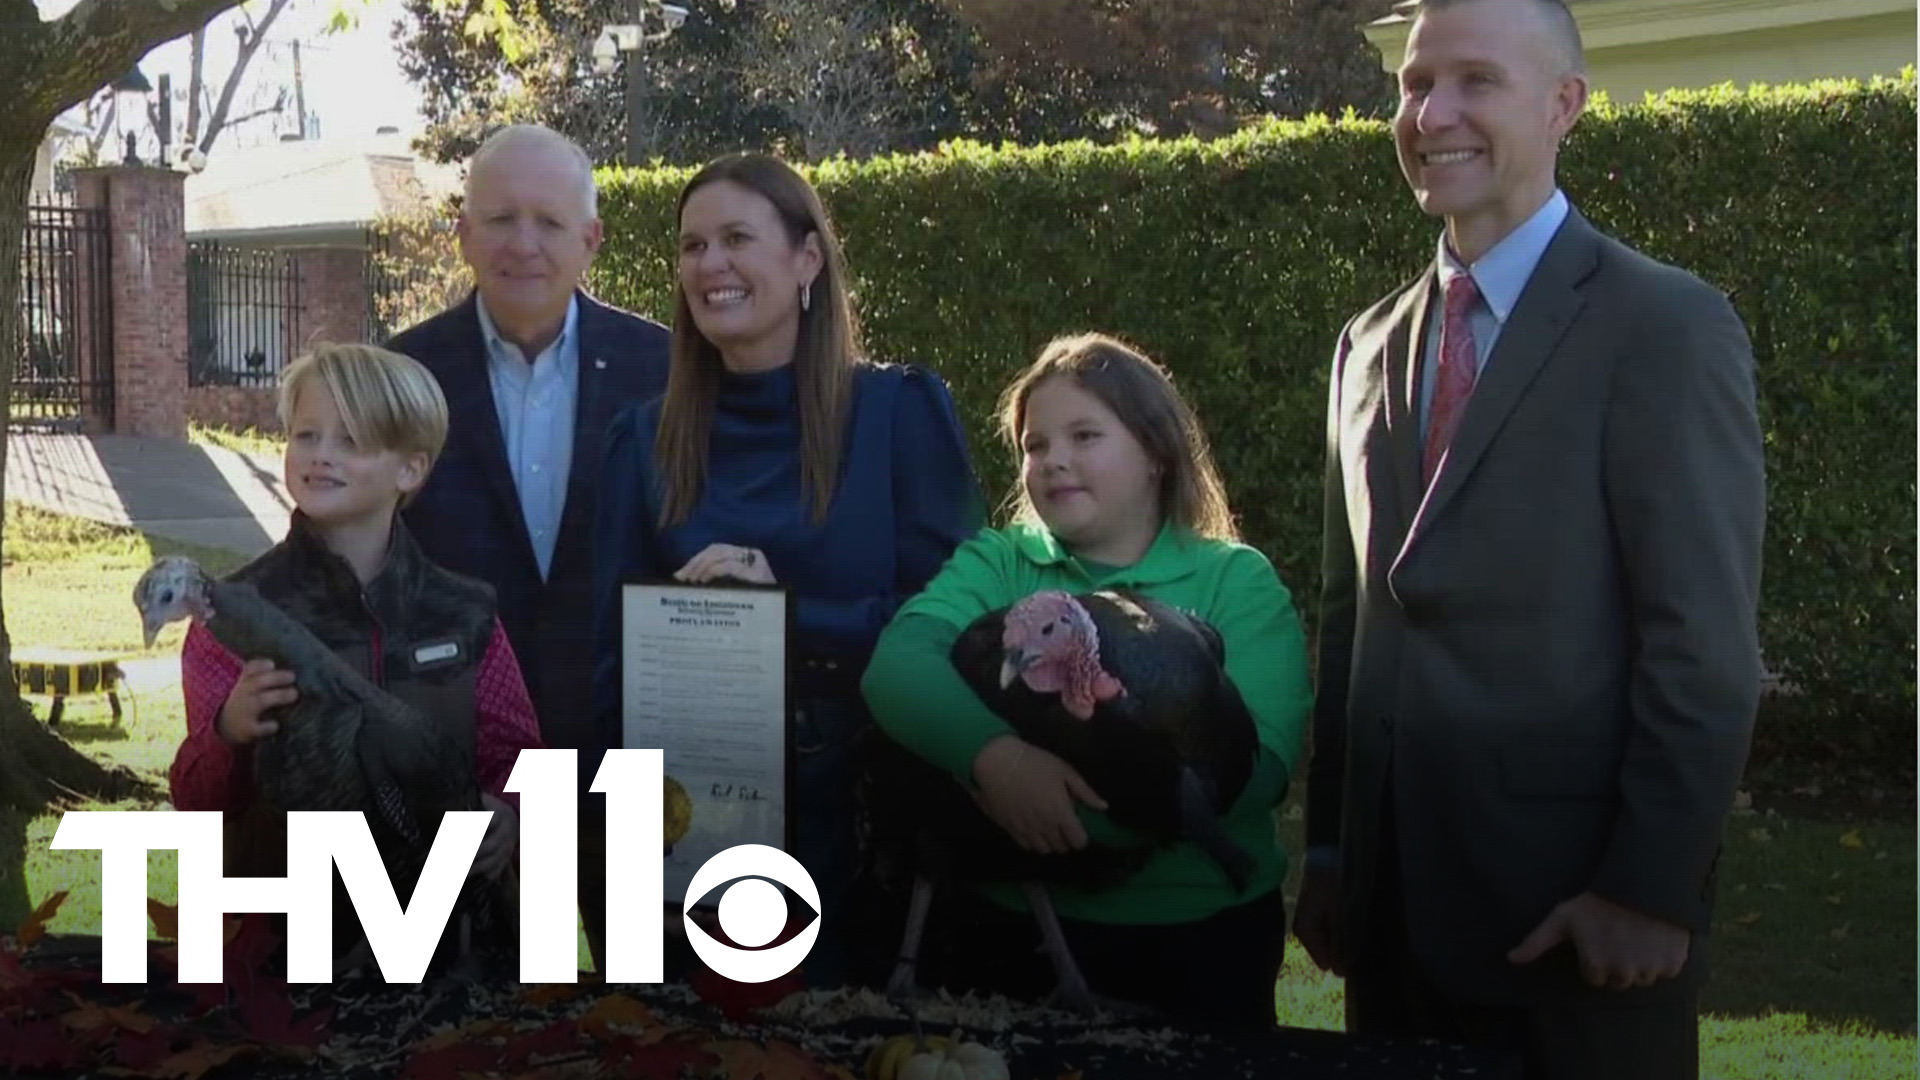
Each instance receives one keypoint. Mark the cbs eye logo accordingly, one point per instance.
(753, 912)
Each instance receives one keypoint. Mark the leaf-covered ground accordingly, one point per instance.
(58, 1019)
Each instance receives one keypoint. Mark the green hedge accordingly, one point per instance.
(1236, 262)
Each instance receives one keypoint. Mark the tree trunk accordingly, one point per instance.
(38, 769)
(46, 67)
(41, 771)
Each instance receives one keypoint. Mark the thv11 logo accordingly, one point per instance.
(403, 940)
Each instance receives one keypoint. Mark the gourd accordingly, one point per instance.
(908, 1057)
(679, 810)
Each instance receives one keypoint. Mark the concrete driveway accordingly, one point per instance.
(183, 491)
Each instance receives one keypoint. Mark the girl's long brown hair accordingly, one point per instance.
(1142, 395)
(825, 355)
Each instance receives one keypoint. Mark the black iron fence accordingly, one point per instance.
(63, 370)
(413, 271)
(243, 314)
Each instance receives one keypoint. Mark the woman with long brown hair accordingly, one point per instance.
(780, 453)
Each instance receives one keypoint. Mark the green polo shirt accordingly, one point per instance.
(920, 700)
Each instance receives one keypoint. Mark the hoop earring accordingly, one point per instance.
(806, 296)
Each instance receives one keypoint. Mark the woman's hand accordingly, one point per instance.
(503, 835)
(1031, 794)
(726, 560)
(261, 687)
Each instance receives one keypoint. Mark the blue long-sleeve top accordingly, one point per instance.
(906, 498)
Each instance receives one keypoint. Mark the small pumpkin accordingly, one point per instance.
(905, 1057)
(962, 1061)
(679, 810)
(887, 1058)
(979, 1061)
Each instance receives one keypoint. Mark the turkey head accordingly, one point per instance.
(173, 588)
(1051, 644)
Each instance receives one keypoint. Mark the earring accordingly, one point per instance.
(806, 296)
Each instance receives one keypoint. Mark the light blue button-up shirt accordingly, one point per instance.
(536, 406)
(1501, 275)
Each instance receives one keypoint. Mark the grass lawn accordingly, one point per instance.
(1814, 950)
(251, 441)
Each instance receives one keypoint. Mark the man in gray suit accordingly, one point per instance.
(1539, 664)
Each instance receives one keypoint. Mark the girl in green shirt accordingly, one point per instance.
(1118, 490)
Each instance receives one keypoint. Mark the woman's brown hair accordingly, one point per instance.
(1142, 394)
(824, 361)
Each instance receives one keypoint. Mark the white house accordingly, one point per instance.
(1637, 47)
(52, 145)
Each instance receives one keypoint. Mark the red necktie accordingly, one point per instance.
(1458, 364)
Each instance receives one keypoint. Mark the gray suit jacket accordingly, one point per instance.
(1548, 662)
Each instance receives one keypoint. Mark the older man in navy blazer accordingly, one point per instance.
(534, 369)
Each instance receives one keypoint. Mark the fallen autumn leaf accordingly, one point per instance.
(558, 1038)
(166, 920)
(449, 1062)
(89, 1016)
(632, 1060)
(35, 925)
(550, 994)
(37, 1044)
(198, 1060)
(616, 1015)
(778, 1060)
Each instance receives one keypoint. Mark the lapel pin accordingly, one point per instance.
(599, 364)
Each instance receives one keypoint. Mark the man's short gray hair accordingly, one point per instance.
(546, 139)
(1561, 27)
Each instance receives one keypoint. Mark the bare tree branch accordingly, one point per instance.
(99, 135)
(279, 105)
(255, 37)
(826, 65)
(48, 66)
(153, 117)
(195, 90)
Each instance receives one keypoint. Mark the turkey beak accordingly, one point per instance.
(151, 628)
(1012, 664)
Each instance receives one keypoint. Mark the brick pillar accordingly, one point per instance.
(333, 296)
(146, 233)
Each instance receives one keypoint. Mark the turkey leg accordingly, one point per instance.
(1073, 993)
(901, 986)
